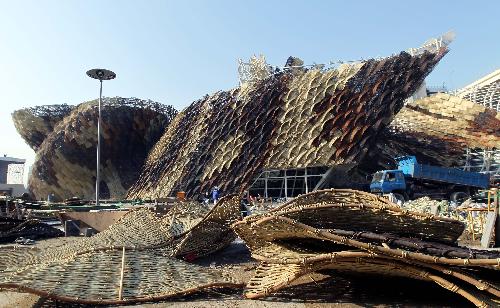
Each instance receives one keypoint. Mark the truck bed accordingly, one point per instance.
(412, 168)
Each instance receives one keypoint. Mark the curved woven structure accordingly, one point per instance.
(95, 277)
(438, 129)
(290, 119)
(141, 246)
(34, 124)
(347, 231)
(66, 159)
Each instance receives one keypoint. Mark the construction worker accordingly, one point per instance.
(215, 194)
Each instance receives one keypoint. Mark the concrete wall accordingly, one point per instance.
(14, 190)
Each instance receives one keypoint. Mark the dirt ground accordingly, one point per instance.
(320, 290)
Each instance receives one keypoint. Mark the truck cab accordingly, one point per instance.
(388, 181)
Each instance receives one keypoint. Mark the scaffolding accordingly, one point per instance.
(485, 91)
(484, 161)
(434, 44)
(289, 183)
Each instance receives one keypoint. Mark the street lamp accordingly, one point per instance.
(99, 74)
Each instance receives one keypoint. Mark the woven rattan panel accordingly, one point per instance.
(36, 123)
(88, 270)
(290, 119)
(361, 211)
(66, 161)
(437, 129)
(452, 118)
(294, 240)
(95, 277)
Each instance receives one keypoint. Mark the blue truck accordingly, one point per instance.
(412, 180)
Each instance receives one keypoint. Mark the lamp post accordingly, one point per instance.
(99, 74)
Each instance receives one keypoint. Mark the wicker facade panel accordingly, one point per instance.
(452, 119)
(34, 124)
(136, 259)
(438, 129)
(96, 278)
(347, 231)
(65, 164)
(292, 118)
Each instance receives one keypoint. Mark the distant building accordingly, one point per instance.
(11, 176)
(484, 91)
(5, 162)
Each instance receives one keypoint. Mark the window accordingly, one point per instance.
(377, 177)
(391, 177)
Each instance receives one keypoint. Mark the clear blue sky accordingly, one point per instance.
(176, 51)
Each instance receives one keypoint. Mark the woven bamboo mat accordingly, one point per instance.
(85, 271)
(317, 232)
(348, 209)
(96, 277)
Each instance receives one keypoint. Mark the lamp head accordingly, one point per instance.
(101, 74)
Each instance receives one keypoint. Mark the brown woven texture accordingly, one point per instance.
(354, 210)
(89, 269)
(291, 119)
(437, 129)
(65, 141)
(297, 239)
(451, 118)
(34, 124)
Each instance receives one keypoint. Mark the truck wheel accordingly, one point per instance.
(459, 197)
(400, 198)
(406, 197)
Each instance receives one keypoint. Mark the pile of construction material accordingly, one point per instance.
(291, 118)
(427, 205)
(12, 229)
(65, 141)
(461, 212)
(353, 232)
(143, 257)
(136, 259)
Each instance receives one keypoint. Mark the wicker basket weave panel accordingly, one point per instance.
(296, 229)
(271, 278)
(360, 211)
(138, 228)
(227, 138)
(142, 229)
(95, 277)
(291, 241)
(291, 234)
(86, 270)
(213, 232)
(183, 216)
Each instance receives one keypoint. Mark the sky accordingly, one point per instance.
(174, 52)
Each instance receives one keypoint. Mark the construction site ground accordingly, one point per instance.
(319, 290)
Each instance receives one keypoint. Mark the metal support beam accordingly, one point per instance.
(98, 175)
(323, 179)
